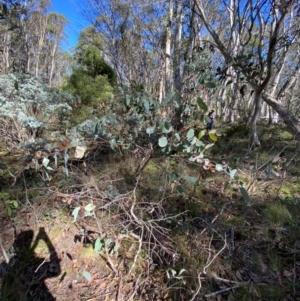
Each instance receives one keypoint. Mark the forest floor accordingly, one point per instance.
(200, 242)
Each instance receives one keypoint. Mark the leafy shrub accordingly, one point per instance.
(93, 81)
(28, 107)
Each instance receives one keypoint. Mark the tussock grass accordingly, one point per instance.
(278, 214)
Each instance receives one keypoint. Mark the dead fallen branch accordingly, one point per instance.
(214, 294)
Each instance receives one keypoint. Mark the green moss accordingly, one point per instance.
(290, 189)
(151, 168)
(284, 135)
(88, 252)
(285, 192)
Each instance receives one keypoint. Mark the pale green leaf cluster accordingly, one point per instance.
(30, 105)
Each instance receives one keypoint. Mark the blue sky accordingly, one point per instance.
(70, 10)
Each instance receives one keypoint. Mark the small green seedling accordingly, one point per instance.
(10, 205)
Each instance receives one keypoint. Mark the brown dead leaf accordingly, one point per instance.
(276, 158)
(126, 129)
(135, 151)
(64, 145)
(75, 264)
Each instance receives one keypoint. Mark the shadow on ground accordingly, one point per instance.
(23, 277)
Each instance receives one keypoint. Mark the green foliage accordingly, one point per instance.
(135, 120)
(28, 107)
(95, 65)
(88, 36)
(4, 10)
(88, 211)
(92, 90)
(105, 242)
(139, 122)
(240, 129)
(201, 104)
(278, 214)
(10, 205)
(245, 195)
(93, 80)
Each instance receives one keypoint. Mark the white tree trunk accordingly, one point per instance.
(177, 47)
(40, 31)
(6, 50)
(168, 48)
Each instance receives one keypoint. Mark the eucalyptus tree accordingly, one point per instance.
(30, 38)
(64, 62)
(10, 34)
(23, 19)
(133, 35)
(168, 44)
(89, 37)
(178, 46)
(34, 28)
(54, 35)
(260, 36)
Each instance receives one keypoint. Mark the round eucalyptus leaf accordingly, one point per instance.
(213, 137)
(190, 134)
(163, 142)
(150, 130)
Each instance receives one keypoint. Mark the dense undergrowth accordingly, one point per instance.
(165, 228)
(144, 204)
